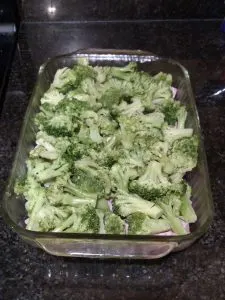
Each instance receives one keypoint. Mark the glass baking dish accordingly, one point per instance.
(110, 246)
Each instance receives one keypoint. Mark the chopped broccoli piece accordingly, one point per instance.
(152, 184)
(170, 204)
(186, 209)
(114, 224)
(182, 156)
(84, 220)
(125, 204)
(173, 134)
(140, 223)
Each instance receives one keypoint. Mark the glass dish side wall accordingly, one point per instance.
(105, 246)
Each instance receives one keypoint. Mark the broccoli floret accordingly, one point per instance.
(41, 151)
(102, 73)
(75, 151)
(121, 174)
(63, 78)
(159, 150)
(72, 108)
(134, 159)
(86, 181)
(51, 143)
(173, 134)
(170, 205)
(128, 109)
(140, 223)
(110, 97)
(46, 150)
(152, 184)
(84, 220)
(92, 121)
(107, 125)
(163, 77)
(20, 186)
(63, 192)
(182, 157)
(170, 109)
(114, 224)
(123, 72)
(186, 209)
(35, 195)
(48, 218)
(97, 177)
(52, 97)
(59, 125)
(66, 199)
(45, 171)
(125, 204)
(109, 154)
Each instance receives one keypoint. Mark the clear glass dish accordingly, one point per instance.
(110, 246)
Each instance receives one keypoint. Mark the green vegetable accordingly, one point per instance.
(140, 223)
(112, 148)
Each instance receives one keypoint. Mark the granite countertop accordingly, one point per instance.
(196, 273)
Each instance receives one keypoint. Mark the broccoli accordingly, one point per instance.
(120, 176)
(91, 120)
(102, 73)
(63, 78)
(48, 218)
(170, 110)
(128, 109)
(109, 154)
(63, 192)
(140, 223)
(66, 199)
(75, 151)
(45, 171)
(123, 72)
(163, 77)
(44, 150)
(173, 134)
(170, 204)
(94, 176)
(114, 224)
(111, 149)
(152, 184)
(125, 204)
(182, 156)
(52, 97)
(187, 212)
(72, 108)
(133, 159)
(111, 97)
(107, 126)
(84, 220)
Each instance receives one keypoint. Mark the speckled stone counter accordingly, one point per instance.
(196, 273)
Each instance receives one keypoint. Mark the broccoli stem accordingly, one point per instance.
(49, 174)
(101, 215)
(159, 225)
(186, 209)
(174, 222)
(78, 193)
(32, 219)
(68, 223)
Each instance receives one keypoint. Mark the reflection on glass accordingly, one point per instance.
(52, 10)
